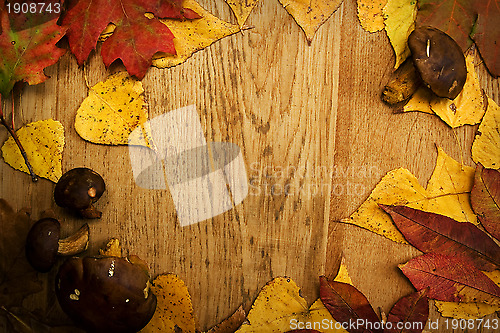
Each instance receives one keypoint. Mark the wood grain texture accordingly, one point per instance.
(308, 119)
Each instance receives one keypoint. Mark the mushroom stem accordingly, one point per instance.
(405, 81)
(76, 243)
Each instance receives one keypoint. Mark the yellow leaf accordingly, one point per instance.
(43, 142)
(174, 310)
(193, 35)
(371, 15)
(486, 146)
(468, 107)
(242, 9)
(343, 275)
(420, 101)
(399, 23)
(280, 308)
(447, 193)
(469, 310)
(310, 14)
(112, 249)
(113, 109)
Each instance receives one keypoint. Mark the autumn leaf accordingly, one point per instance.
(485, 199)
(347, 304)
(174, 310)
(43, 142)
(279, 304)
(136, 38)
(310, 14)
(231, 323)
(242, 9)
(113, 248)
(486, 145)
(113, 109)
(17, 278)
(192, 36)
(487, 33)
(454, 17)
(469, 310)
(399, 22)
(430, 232)
(450, 279)
(447, 193)
(371, 15)
(343, 274)
(413, 309)
(26, 53)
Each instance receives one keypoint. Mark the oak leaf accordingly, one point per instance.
(174, 310)
(430, 232)
(278, 304)
(413, 309)
(310, 14)
(136, 38)
(192, 36)
(399, 22)
(43, 142)
(26, 53)
(486, 145)
(487, 33)
(371, 15)
(447, 193)
(485, 199)
(450, 279)
(113, 109)
(242, 9)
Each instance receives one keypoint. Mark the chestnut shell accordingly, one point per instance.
(78, 189)
(105, 294)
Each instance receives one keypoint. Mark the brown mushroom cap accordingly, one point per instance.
(105, 294)
(78, 189)
(439, 61)
(42, 244)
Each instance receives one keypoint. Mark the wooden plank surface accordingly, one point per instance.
(307, 118)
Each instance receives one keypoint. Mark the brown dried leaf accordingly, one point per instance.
(485, 199)
(413, 308)
(230, 324)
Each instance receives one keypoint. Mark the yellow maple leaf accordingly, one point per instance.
(399, 22)
(113, 109)
(242, 9)
(193, 35)
(469, 310)
(371, 15)
(310, 14)
(43, 142)
(447, 193)
(279, 307)
(486, 146)
(174, 310)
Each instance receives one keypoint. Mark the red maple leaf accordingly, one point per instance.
(26, 49)
(136, 38)
(487, 34)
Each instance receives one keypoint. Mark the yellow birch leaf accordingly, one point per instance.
(113, 109)
(242, 9)
(193, 35)
(447, 193)
(468, 107)
(420, 101)
(280, 308)
(469, 310)
(174, 310)
(43, 142)
(310, 14)
(486, 146)
(343, 275)
(113, 248)
(399, 23)
(371, 15)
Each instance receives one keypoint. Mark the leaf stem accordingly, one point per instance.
(34, 177)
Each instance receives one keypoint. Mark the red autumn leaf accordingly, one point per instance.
(450, 279)
(436, 233)
(409, 314)
(485, 199)
(26, 53)
(348, 305)
(454, 17)
(136, 38)
(487, 33)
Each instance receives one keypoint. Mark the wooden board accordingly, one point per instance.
(308, 119)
